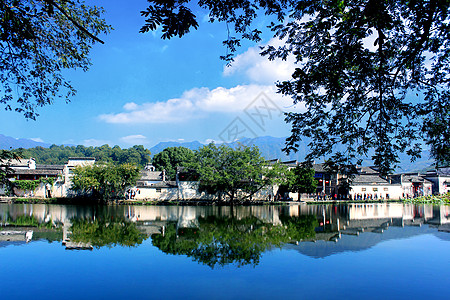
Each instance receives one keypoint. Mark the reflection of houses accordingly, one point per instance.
(336, 224)
(357, 227)
(54, 180)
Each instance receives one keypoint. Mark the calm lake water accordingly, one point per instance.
(355, 251)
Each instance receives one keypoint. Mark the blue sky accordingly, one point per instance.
(144, 90)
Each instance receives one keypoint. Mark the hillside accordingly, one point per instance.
(7, 142)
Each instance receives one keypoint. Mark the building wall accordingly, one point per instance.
(394, 191)
(154, 193)
(408, 190)
(188, 190)
(439, 186)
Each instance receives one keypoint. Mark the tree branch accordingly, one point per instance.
(75, 22)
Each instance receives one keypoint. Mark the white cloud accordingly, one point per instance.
(260, 69)
(130, 106)
(173, 110)
(95, 142)
(136, 139)
(39, 140)
(198, 103)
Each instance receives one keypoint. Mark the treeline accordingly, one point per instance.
(58, 155)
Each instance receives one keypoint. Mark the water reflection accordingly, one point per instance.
(224, 240)
(216, 235)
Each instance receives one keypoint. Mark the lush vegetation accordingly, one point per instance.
(106, 232)
(218, 241)
(232, 172)
(26, 185)
(39, 40)
(171, 158)
(104, 181)
(434, 199)
(58, 155)
(373, 75)
(5, 170)
(301, 180)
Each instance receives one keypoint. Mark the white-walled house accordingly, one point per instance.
(368, 184)
(440, 179)
(55, 179)
(413, 184)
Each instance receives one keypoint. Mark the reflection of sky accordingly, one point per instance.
(415, 267)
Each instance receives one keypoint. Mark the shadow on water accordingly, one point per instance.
(218, 241)
(218, 236)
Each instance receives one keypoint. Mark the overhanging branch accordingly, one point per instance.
(75, 22)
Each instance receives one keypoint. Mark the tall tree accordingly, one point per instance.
(104, 181)
(301, 180)
(373, 75)
(171, 158)
(38, 40)
(226, 171)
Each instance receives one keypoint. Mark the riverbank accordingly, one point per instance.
(436, 199)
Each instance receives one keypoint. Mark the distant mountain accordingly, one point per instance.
(270, 148)
(163, 145)
(7, 142)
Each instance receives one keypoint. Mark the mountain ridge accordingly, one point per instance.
(269, 146)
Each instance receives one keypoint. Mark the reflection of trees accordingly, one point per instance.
(100, 232)
(221, 241)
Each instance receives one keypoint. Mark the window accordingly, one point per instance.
(375, 189)
(158, 190)
(385, 189)
(363, 189)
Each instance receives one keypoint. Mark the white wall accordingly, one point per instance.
(394, 191)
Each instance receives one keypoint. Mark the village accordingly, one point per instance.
(54, 181)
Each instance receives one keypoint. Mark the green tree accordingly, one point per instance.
(226, 171)
(59, 155)
(171, 158)
(104, 181)
(373, 75)
(5, 170)
(301, 180)
(39, 39)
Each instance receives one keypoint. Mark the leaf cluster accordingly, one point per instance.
(171, 158)
(104, 181)
(373, 75)
(38, 40)
(301, 179)
(59, 155)
(223, 170)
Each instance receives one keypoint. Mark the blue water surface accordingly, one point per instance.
(402, 262)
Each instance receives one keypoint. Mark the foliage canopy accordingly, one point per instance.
(38, 40)
(301, 180)
(104, 181)
(373, 75)
(226, 171)
(171, 158)
(59, 155)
